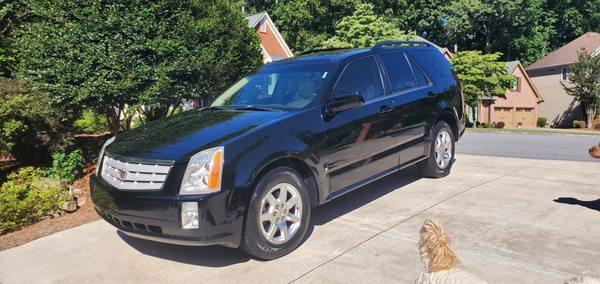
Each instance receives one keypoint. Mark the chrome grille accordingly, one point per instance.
(133, 176)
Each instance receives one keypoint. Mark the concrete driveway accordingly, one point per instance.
(502, 213)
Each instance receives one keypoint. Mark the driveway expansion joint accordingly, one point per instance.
(411, 217)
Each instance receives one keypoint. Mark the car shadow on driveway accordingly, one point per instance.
(364, 195)
(217, 256)
(210, 256)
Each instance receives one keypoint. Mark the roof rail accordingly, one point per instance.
(400, 43)
(322, 49)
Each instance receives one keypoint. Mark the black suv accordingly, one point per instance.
(246, 170)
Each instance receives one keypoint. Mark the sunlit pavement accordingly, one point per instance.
(505, 222)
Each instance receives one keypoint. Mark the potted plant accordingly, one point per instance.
(595, 151)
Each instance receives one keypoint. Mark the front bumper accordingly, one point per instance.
(156, 215)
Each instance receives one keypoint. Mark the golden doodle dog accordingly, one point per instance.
(441, 262)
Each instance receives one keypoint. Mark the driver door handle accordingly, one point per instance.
(384, 109)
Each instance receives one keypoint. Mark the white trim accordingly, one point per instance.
(278, 36)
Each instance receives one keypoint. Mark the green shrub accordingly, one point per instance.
(500, 124)
(66, 167)
(578, 124)
(486, 125)
(30, 126)
(24, 198)
(90, 122)
(542, 121)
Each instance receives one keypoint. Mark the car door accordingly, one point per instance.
(414, 98)
(359, 140)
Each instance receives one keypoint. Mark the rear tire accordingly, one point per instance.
(441, 152)
(276, 223)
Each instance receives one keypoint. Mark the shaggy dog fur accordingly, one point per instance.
(583, 280)
(441, 262)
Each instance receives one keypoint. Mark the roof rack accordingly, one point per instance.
(322, 49)
(400, 43)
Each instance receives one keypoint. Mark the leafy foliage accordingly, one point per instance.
(114, 53)
(481, 75)
(364, 28)
(24, 198)
(12, 14)
(541, 122)
(585, 84)
(66, 167)
(91, 122)
(30, 127)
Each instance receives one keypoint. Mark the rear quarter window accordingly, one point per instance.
(434, 61)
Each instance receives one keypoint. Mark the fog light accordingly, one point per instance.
(189, 215)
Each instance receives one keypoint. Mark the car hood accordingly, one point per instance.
(178, 137)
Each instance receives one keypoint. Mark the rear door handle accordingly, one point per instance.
(431, 95)
(384, 109)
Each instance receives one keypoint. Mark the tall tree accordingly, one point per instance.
(425, 17)
(364, 28)
(481, 75)
(584, 84)
(12, 14)
(520, 29)
(104, 55)
(307, 24)
(576, 17)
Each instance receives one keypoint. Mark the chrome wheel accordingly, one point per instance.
(281, 213)
(443, 149)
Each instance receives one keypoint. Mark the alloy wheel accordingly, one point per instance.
(443, 149)
(281, 213)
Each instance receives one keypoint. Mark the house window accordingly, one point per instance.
(563, 73)
(263, 27)
(516, 87)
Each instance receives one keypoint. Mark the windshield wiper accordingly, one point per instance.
(255, 108)
(213, 108)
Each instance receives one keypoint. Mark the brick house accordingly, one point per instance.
(272, 44)
(519, 108)
(550, 72)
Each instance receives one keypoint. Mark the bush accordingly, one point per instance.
(25, 197)
(542, 121)
(90, 122)
(578, 124)
(500, 124)
(486, 125)
(30, 128)
(66, 167)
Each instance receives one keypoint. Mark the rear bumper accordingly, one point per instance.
(156, 216)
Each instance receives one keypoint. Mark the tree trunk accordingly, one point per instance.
(114, 120)
(591, 114)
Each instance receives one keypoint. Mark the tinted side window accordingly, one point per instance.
(419, 75)
(433, 59)
(401, 77)
(360, 76)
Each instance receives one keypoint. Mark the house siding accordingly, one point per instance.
(510, 109)
(559, 108)
(269, 42)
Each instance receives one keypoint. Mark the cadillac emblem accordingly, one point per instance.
(122, 175)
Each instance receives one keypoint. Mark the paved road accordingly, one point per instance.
(506, 227)
(535, 146)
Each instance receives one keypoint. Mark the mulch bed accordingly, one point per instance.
(83, 215)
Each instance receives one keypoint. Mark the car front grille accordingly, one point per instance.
(134, 176)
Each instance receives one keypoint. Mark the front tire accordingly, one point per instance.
(277, 216)
(441, 152)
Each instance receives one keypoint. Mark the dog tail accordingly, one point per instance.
(434, 246)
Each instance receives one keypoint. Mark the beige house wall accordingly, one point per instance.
(558, 107)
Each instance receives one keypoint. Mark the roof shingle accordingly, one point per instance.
(568, 54)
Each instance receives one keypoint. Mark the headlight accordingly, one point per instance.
(110, 140)
(204, 172)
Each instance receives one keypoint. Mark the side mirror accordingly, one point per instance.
(345, 102)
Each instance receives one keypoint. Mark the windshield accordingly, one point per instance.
(291, 86)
